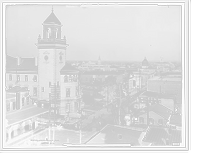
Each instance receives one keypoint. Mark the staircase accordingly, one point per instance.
(55, 95)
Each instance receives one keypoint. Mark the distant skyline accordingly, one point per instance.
(115, 33)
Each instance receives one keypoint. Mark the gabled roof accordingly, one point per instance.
(157, 95)
(52, 19)
(26, 63)
(159, 109)
(68, 68)
(17, 89)
(158, 136)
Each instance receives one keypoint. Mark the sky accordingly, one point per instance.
(115, 33)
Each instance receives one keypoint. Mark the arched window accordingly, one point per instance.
(48, 32)
(56, 32)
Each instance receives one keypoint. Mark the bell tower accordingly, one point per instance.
(51, 56)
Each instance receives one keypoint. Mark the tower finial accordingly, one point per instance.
(52, 9)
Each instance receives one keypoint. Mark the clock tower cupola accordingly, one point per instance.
(51, 55)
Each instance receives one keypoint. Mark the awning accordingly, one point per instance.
(20, 116)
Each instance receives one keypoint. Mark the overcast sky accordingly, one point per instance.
(117, 33)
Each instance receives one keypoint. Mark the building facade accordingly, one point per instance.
(166, 100)
(167, 84)
(21, 117)
(45, 75)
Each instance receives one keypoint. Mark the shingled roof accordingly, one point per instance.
(68, 68)
(52, 19)
(26, 64)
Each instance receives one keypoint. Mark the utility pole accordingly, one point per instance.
(148, 111)
(107, 98)
(49, 124)
(80, 136)
(119, 112)
(54, 116)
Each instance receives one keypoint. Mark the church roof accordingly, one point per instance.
(145, 62)
(68, 68)
(52, 19)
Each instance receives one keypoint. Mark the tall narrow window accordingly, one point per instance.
(34, 91)
(35, 78)
(70, 77)
(67, 92)
(67, 107)
(18, 78)
(42, 89)
(8, 106)
(23, 101)
(26, 78)
(66, 78)
(10, 77)
(77, 91)
(14, 105)
(27, 100)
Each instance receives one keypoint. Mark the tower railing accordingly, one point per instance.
(52, 41)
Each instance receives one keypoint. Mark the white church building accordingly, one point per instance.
(47, 77)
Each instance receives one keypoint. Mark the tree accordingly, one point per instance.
(81, 93)
(108, 90)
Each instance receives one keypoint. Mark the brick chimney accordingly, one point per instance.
(19, 61)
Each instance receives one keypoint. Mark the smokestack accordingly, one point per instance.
(18, 61)
(36, 61)
(17, 101)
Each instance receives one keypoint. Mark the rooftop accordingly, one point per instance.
(95, 83)
(155, 94)
(101, 72)
(24, 114)
(158, 78)
(159, 109)
(68, 68)
(158, 136)
(26, 64)
(17, 89)
(52, 19)
(113, 134)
